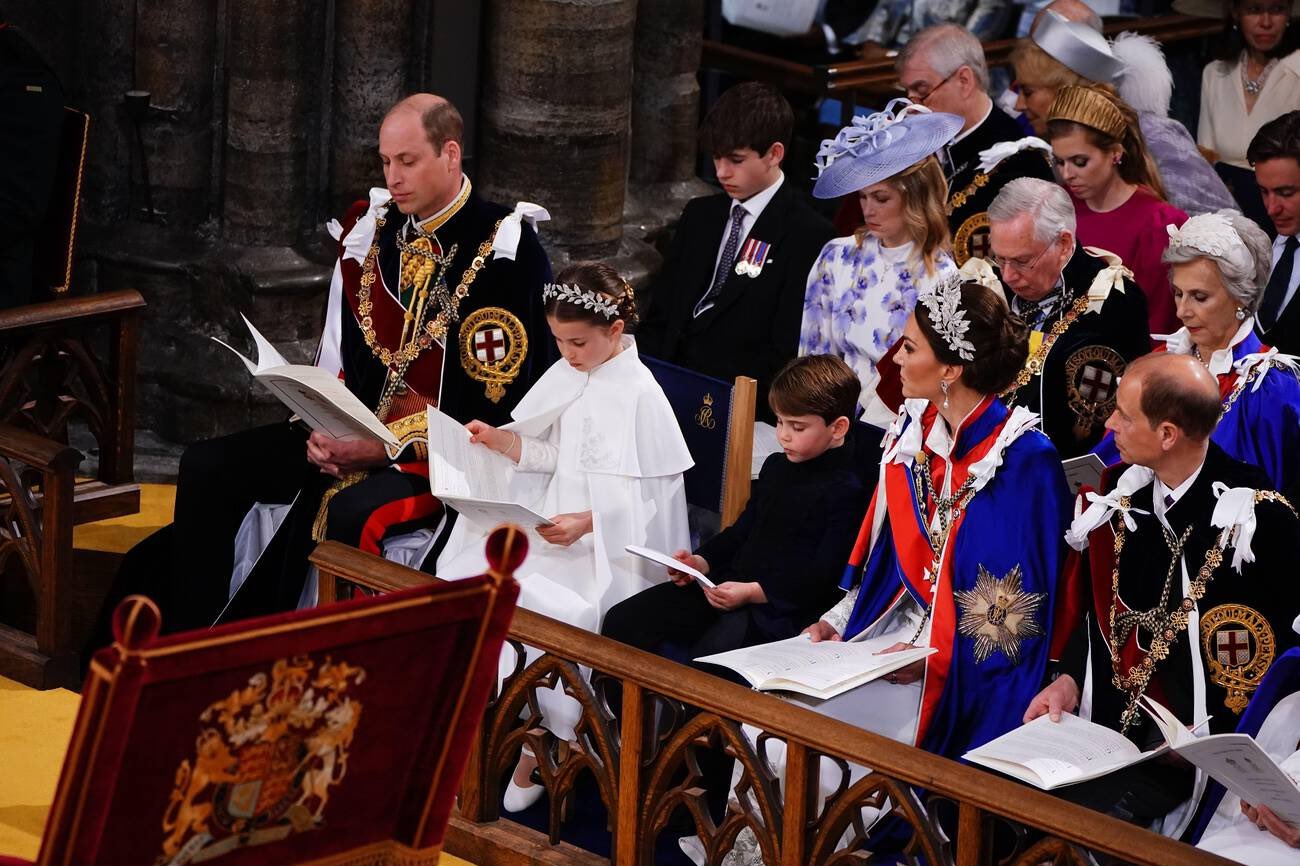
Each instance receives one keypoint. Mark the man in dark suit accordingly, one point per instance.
(729, 299)
(31, 117)
(1275, 154)
(943, 68)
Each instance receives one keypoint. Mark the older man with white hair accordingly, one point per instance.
(943, 68)
(1087, 318)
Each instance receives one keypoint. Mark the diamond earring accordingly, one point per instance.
(943, 386)
(1241, 314)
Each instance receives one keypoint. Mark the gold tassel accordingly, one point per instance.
(322, 516)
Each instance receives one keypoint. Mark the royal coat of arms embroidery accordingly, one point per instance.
(998, 614)
(264, 761)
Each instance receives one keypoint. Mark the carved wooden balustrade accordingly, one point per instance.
(643, 751)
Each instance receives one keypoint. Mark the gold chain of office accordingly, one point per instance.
(1038, 360)
(436, 329)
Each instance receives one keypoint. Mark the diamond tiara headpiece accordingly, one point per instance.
(578, 296)
(942, 301)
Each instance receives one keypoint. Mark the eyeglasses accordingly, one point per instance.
(917, 94)
(1024, 267)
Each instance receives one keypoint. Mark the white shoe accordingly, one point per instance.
(693, 848)
(519, 797)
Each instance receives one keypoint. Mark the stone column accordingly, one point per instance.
(555, 113)
(273, 72)
(371, 55)
(175, 40)
(666, 94)
(106, 44)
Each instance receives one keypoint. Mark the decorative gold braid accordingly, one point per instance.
(412, 430)
(980, 180)
(1274, 496)
(1136, 679)
(76, 207)
(322, 514)
(1036, 362)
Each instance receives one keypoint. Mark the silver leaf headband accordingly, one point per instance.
(942, 301)
(580, 297)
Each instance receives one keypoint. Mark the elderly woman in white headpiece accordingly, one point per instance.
(1219, 265)
(863, 287)
(1065, 47)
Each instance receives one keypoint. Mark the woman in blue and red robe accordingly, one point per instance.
(962, 546)
(1219, 266)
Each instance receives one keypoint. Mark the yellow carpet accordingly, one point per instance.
(35, 728)
(121, 534)
(34, 735)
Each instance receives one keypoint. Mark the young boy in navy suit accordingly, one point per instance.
(777, 568)
(729, 299)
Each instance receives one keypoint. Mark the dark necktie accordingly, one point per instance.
(1278, 283)
(725, 262)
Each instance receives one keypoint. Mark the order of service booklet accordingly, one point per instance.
(472, 479)
(1050, 755)
(316, 396)
(820, 670)
(666, 560)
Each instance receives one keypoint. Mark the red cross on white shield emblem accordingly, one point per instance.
(490, 345)
(1232, 645)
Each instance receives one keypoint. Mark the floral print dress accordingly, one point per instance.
(858, 299)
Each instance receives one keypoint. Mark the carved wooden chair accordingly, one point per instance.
(717, 420)
(51, 380)
(335, 735)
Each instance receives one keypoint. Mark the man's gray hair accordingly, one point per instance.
(1244, 276)
(1047, 204)
(945, 48)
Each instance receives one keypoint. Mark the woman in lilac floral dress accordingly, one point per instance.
(863, 287)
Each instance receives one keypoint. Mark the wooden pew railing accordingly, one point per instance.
(872, 79)
(643, 760)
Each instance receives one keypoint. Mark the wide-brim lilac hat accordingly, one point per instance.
(881, 145)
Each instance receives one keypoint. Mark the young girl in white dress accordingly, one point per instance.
(595, 447)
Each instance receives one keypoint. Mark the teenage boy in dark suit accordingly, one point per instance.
(729, 299)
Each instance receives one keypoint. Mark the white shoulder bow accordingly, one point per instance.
(506, 243)
(1102, 507)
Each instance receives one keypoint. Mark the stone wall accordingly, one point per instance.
(261, 122)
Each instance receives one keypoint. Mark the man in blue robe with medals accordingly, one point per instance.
(435, 300)
(1189, 599)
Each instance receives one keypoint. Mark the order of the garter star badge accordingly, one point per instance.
(493, 345)
(998, 614)
(264, 762)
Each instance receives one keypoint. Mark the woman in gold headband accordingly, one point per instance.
(1118, 198)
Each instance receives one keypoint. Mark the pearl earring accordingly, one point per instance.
(943, 386)
(1241, 314)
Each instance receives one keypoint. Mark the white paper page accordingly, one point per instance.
(268, 357)
(458, 467)
(1084, 469)
(252, 368)
(666, 560)
(1059, 753)
(488, 515)
(821, 665)
(324, 403)
(1238, 763)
